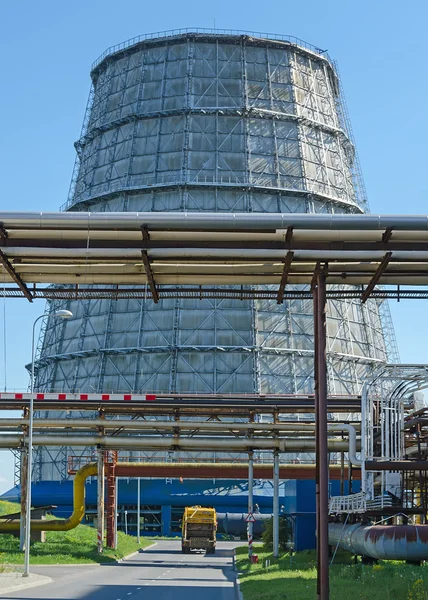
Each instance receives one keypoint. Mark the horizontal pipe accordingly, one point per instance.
(139, 279)
(225, 254)
(207, 470)
(226, 444)
(396, 465)
(386, 542)
(78, 507)
(210, 221)
(297, 426)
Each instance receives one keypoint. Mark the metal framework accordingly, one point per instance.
(385, 445)
(249, 135)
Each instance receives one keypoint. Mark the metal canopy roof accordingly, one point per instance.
(129, 250)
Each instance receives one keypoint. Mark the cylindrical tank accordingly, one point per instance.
(198, 121)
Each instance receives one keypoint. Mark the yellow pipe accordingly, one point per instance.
(78, 507)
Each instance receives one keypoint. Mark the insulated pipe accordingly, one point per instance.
(226, 444)
(298, 426)
(210, 221)
(352, 440)
(231, 255)
(385, 542)
(78, 507)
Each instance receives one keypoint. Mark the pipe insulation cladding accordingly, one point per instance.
(386, 542)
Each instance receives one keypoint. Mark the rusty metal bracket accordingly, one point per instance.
(17, 279)
(150, 277)
(376, 277)
(284, 277)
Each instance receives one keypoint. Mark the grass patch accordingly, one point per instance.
(294, 578)
(7, 508)
(78, 545)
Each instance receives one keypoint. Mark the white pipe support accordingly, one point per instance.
(275, 504)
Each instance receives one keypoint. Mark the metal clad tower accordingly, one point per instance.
(211, 121)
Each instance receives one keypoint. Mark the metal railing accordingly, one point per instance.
(354, 503)
(197, 30)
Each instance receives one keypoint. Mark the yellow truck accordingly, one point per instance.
(198, 528)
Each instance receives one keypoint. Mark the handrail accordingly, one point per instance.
(174, 32)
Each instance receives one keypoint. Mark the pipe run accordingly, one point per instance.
(78, 507)
(191, 426)
(386, 542)
(194, 221)
(174, 443)
(298, 426)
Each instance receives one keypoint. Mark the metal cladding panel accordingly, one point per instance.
(212, 124)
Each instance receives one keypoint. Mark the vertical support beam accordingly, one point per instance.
(321, 433)
(24, 483)
(166, 517)
(342, 473)
(111, 502)
(116, 512)
(316, 399)
(275, 504)
(138, 510)
(250, 502)
(100, 497)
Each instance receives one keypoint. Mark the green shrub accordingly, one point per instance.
(284, 534)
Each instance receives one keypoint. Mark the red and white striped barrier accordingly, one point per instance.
(79, 397)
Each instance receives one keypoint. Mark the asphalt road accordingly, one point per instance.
(160, 573)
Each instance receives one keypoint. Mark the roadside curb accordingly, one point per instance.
(238, 592)
(23, 584)
(136, 552)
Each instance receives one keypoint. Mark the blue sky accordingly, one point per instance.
(46, 50)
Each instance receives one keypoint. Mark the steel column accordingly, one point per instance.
(250, 503)
(138, 509)
(100, 507)
(321, 436)
(24, 483)
(276, 504)
(111, 504)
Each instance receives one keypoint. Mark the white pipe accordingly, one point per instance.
(352, 440)
(298, 426)
(232, 255)
(14, 441)
(211, 221)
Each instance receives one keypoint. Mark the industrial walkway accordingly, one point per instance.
(160, 573)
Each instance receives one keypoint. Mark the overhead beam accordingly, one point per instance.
(150, 277)
(16, 278)
(284, 277)
(376, 277)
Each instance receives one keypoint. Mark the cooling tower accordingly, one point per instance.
(227, 122)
